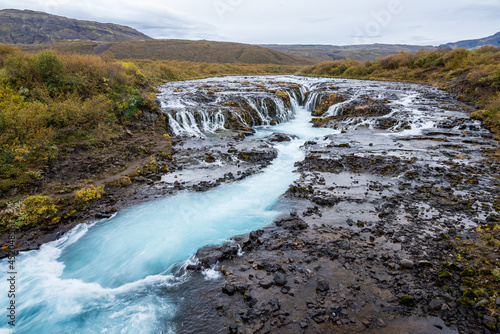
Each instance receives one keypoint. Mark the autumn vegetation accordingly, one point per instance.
(48, 100)
(179, 50)
(473, 75)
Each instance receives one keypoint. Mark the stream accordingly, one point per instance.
(126, 274)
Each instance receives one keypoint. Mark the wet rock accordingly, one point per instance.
(408, 264)
(490, 322)
(294, 224)
(424, 263)
(436, 304)
(102, 215)
(228, 289)
(322, 286)
(325, 201)
(280, 279)
(210, 158)
(271, 306)
(309, 273)
(280, 137)
(266, 283)
(233, 329)
(250, 299)
(481, 303)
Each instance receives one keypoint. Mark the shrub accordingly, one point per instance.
(50, 68)
(124, 181)
(89, 194)
(487, 49)
(33, 211)
(457, 58)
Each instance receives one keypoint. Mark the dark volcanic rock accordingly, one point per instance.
(322, 286)
(293, 224)
(364, 107)
(280, 137)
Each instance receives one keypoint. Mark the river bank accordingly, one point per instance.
(395, 174)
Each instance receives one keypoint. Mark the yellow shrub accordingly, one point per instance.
(89, 194)
(33, 211)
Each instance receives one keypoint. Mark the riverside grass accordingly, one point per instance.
(50, 99)
(473, 75)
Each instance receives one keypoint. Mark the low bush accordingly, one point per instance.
(89, 194)
(28, 213)
(472, 75)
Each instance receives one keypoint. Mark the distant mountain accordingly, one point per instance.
(30, 27)
(334, 52)
(474, 43)
(182, 50)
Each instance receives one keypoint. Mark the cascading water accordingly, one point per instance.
(116, 275)
(104, 277)
(203, 109)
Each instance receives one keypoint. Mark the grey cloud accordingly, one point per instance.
(291, 21)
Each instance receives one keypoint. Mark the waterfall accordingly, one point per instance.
(314, 100)
(204, 112)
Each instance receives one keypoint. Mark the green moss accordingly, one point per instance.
(443, 274)
(466, 302)
(469, 293)
(468, 272)
(496, 274)
(407, 299)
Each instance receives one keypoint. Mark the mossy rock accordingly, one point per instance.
(443, 274)
(443, 236)
(447, 289)
(407, 299)
(469, 293)
(124, 181)
(466, 302)
(468, 272)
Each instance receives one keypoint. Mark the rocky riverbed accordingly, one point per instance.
(367, 238)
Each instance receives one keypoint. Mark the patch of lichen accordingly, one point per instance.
(319, 122)
(477, 267)
(326, 102)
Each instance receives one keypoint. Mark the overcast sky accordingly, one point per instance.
(420, 22)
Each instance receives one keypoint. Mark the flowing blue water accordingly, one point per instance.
(105, 277)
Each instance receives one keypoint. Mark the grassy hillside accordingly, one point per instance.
(30, 27)
(180, 50)
(473, 75)
(474, 43)
(55, 106)
(359, 52)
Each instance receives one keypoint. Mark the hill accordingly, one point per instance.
(30, 27)
(180, 50)
(474, 43)
(335, 52)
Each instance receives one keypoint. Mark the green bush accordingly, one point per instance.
(32, 211)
